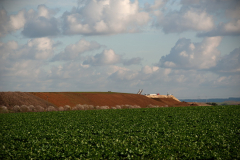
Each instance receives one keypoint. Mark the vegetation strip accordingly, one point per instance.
(147, 133)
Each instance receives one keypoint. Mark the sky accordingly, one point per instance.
(188, 48)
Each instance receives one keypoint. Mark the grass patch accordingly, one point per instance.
(148, 133)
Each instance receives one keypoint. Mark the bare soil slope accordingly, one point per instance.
(45, 99)
(96, 99)
(10, 99)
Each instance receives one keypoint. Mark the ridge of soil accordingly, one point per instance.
(96, 99)
(10, 99)
(57, 99)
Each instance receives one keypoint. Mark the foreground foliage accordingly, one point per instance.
(146, 133)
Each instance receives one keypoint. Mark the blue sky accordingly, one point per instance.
(189, 48)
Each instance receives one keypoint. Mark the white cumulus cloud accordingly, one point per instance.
(24, 62)
(229, 63)
(188, 55)
(73, 51)
(11, 23)
(104, 17)
(40, 23)
(39, 48)
(185, 20)
(231, 28)
(107, 57)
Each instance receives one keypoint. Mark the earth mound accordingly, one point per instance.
(57, 99)
(96, 98)
(10, 99)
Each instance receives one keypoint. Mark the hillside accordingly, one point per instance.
(10, 99)
(100, 99)
(44, 99)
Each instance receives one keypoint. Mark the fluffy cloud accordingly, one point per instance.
(211, 6)
(11, 23)
(226, 15)
(229, 28)
(203, 55)
(41, 27)
(147, 74)
(229, 63)
(149, 70)
(17, 21)
(157, 4)
(41, 48)
(209, 18)
(41, 23)
(22, 64)
(188, 55)
(123, 75)
(38, 49)
(185, 20)
(73, 51)
(107, 57)
(224, 29)
(104, 17)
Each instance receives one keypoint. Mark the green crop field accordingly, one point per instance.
(147, 133)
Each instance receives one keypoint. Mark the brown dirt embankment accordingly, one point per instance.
(10, 99)
(96, 99)
(45, 99)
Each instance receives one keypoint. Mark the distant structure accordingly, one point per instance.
(140, 91)
(157, 95)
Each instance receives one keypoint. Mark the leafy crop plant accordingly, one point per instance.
(207, 132)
